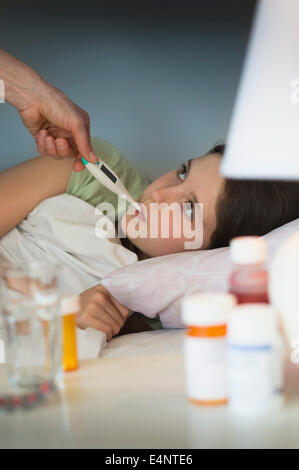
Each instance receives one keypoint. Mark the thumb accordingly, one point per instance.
(82, 140)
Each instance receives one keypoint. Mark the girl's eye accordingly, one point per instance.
(188, 209)
(182, 172)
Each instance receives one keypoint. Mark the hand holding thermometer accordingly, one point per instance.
(108, 178)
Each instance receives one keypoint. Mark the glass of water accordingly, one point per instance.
(32, 325)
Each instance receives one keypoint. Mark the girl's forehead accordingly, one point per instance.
(209, 159)
(205, 179)
(206, 166)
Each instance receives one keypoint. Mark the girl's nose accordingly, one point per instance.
(166, 194)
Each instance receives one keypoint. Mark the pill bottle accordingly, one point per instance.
(69, 307)
(249, 278)
(205, 346)
(255, 359)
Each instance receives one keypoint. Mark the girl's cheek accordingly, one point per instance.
(161, 225)
(171, 221)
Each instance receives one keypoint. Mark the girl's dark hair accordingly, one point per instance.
(252, 207)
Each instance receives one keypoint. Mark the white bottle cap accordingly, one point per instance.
(45, 298)
(248, 250)
(70, 304)
(205, 309)
(254, 324)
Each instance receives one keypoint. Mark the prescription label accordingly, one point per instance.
(206, 368)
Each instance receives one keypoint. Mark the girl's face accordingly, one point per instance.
(197, 181)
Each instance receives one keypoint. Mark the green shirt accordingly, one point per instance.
(84, 186)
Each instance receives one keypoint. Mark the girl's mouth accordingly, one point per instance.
(140, 213)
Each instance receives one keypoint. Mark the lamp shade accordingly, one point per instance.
(263, 138)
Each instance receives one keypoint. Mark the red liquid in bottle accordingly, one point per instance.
(249, 284)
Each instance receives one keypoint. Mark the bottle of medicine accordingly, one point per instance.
(255, 359)
(69, 307)
(249, 278)
(205, 346)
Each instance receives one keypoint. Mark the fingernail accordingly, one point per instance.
(92, 156)
(49, 142)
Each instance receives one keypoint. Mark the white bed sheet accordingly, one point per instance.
(146, 343)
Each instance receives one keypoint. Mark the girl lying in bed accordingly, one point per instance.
(230, 208)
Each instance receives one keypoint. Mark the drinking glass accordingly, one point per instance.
(32, 325)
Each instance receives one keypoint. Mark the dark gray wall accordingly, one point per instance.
(158, 81)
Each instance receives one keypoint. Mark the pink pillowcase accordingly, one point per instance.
(156, 286)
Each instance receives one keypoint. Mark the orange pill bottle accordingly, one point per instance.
(70, 306)
(205, 346)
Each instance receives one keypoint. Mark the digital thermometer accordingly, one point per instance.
(109, 179)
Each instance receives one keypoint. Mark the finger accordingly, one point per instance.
(63, 148)
(43, 133)
(104, 294)
(64, 144)
(123, 310)
(88, 321)
(58, 132)
(100, 325)
(110, 315)
(82, 139)
(74, 149)
(114, 312)
(105, 311)
(50, 146)
(102, 309)
(108, 320)
(78, 165)
(41, 146)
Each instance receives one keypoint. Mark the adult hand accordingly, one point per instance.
(60, 128)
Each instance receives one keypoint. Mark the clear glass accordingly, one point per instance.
(32, 325)
(45, 293)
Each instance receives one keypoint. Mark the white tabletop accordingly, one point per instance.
(139, 402)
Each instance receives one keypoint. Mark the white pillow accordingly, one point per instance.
(156, 286)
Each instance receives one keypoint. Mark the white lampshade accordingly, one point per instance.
(263, 139)
(283, 286)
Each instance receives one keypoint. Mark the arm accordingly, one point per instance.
(61, 129)
(24, 186)
(18, 79)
